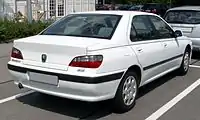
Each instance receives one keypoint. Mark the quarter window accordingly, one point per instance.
(133, 34)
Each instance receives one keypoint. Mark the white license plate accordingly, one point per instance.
(43, 78)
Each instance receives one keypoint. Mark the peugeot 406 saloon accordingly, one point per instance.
(100, 55)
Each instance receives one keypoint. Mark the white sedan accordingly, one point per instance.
(100, 55)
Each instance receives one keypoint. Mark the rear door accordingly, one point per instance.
(148, 49)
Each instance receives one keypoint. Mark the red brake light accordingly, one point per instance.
(16, 53)
(89, 61)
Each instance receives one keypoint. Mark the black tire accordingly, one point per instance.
(119, 104)
(183, 68)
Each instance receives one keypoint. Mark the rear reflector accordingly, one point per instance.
(16, 53)
(89, 61)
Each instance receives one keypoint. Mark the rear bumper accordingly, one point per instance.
(71, 78)
(90, 89)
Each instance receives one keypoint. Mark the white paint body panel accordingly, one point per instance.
(119, 54)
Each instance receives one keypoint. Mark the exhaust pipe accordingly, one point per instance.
(20, 86)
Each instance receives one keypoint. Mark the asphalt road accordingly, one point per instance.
(152, 98)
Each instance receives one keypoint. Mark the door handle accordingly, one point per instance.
(139, 49)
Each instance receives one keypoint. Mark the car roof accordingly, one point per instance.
(115, 12)
(197, 8)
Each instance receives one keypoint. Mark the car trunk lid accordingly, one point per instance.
(59, 50)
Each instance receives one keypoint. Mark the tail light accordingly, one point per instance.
(16, 53)
(89, 61)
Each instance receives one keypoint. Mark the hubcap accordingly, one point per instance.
(186, 61)
(129, 90)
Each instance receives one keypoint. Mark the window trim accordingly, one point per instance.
(131, 31)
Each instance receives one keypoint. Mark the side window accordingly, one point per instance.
(163, 30)
(141, 29)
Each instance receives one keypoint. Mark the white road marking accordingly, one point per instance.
(173, 102)
(194, 66)
(15, 96)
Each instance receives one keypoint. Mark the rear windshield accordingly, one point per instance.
(85, 25)
(183, 17)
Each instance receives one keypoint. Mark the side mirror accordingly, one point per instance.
(178, 33)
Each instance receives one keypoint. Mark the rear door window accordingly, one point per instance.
(143, 28)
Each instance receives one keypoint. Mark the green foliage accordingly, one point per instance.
(10, 30)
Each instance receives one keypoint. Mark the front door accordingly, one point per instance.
(171, 45)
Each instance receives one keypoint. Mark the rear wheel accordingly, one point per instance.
(185, 63)
(126, 93)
